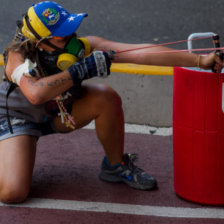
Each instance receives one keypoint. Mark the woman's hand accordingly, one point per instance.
(97, 64)
(211, 61)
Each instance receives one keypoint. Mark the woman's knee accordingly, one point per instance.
(108, 96)
(11, 195)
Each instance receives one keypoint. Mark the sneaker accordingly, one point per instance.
(128, 173)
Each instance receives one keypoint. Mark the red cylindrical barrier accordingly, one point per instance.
(198, 136)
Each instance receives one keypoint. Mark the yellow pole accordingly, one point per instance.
(1, 60)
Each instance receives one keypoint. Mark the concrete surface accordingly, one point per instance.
(147, 99)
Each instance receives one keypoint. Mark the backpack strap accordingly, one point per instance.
(10, 89)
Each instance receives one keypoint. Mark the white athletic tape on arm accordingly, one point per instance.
(22, 69)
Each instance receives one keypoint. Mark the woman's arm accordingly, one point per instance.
(38, 90)
(143, 56)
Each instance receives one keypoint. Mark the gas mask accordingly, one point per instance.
(61, 59)
(74, 50)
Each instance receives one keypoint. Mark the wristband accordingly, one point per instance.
(199, 60)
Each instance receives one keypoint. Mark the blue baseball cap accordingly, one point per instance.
(48, 18)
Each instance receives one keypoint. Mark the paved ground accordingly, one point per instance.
(148, 21)
(66, 188)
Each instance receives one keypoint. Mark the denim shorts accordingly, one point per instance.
(23, 127)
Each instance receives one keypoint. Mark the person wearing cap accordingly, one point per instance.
(44, 92)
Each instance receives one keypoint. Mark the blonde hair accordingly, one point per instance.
(27, 48)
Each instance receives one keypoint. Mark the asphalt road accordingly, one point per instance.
(66, 188)
(151, 21)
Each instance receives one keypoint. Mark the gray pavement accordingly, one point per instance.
(130, 21)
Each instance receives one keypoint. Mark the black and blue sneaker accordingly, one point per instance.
(128, 173)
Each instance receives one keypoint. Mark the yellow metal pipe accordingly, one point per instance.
(141, 69)
(1, 60)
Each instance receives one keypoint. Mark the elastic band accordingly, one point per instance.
(10, 89)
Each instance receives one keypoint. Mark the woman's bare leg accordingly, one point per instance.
(102, 104)
(17, 156)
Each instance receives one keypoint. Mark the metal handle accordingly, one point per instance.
(196, 35)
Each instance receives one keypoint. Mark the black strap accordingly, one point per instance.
(10, 89)
(46, 41)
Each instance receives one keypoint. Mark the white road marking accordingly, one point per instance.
(141, 129)
(159, 211)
